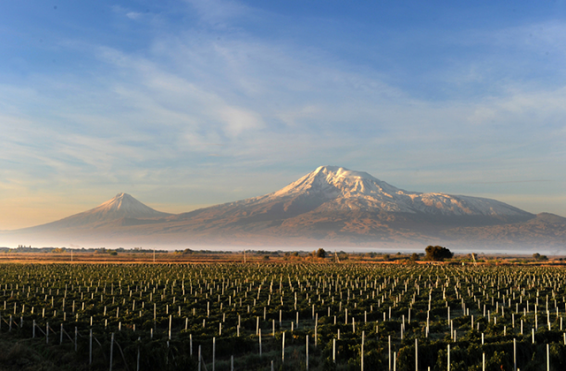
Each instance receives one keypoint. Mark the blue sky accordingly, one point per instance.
(191, 103)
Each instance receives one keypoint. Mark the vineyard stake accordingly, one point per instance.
(307, 352)
(199, 358)
(362, 351)
(547, 357)
(389, 353)
(514, 354)
(283, 348)
(213, 352)
(416, 354)
(448, 357)
(111, 349)
(138, 358)
(334, 350)
(90, 348)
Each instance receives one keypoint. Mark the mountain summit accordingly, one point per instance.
(334, 188)
(331, 206)
(122, 206)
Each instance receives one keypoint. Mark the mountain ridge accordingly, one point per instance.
(330, 206)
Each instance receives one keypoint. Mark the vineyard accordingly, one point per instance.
(281, 317)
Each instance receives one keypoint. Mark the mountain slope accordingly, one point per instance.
(115, 211)
(329, 206)
(332, 195)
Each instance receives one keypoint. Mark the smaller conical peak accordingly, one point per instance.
(120, 201)
(124, 205)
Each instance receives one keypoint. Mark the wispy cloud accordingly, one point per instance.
(212, 101)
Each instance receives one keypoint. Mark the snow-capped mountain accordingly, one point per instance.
(337, 188)
(329, 206)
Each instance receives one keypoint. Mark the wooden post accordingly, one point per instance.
(259, 333)
(213, 352)
(199, 358)
(90, 348)
(138, 359)
(334, 350)
(47, 333)
(547, 357)
(394, 361)
(307, 352)
(389, 352)
(514, 354)
(283, 348)
(362, 351)
(76, 337)
(33, 331)
(416, 354)
(448, 357)
(111, 350)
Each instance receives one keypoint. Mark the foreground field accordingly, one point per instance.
(281, 316)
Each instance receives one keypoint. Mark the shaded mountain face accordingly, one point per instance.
(342, 196)
(329, 206)
(339, 189)
(120, 208)
(339, 206)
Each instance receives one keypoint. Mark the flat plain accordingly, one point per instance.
(286, 312)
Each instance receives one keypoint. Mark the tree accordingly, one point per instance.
(414, 257)
(539, 257)
(437, 253)
(321, 253)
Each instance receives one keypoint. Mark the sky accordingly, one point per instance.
(185, 104)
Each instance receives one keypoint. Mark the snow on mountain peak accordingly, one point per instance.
(338, 188)
(124, 205)
(332, 181)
